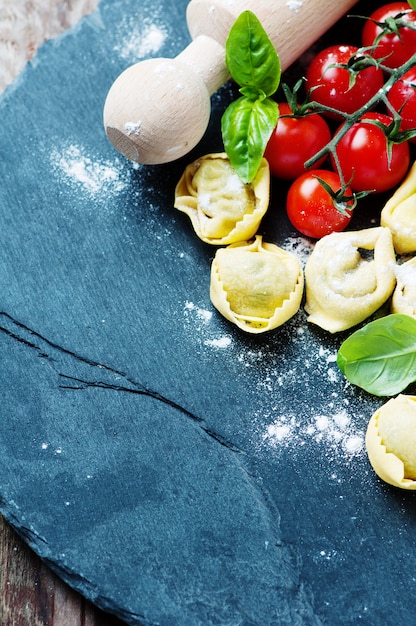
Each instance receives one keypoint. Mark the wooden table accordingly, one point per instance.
(30, 594)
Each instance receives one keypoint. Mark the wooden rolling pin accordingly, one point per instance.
(158, 110)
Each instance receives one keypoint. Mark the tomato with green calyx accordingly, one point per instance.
(294, 141)
(318, 204)
(402, 96)
(386, 33)
(368, 159)
(339, 77)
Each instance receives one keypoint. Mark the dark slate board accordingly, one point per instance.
(172, 469)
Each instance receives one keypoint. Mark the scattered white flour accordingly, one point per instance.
(199, 318)
(334, 431)
(299, 246)
(201, 314)
(143, 39)
(95, 176)
(133, 128)
(222, 342)
(294, 5)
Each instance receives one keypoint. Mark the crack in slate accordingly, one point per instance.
(17, 333)
(140, 390)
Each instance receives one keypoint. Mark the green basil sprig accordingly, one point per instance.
(381, 356)
(248, 122)
(412, 3)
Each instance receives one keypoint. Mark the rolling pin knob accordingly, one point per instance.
(158, 110)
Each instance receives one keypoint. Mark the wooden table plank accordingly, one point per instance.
(32, 595)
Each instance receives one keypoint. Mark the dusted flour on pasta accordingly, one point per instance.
(256, 285)
(222, 209)
(404, 295)
(345, 285)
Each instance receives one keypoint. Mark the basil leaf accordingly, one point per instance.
(381, 356)
(246, 128)
(412, 3)
(250, 55)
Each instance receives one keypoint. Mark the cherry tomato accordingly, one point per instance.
(363, 156)
(312, 210)
(402, 96)
(331, 85)
(294, 141)
(397, 49)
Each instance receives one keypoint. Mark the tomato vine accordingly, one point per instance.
(393, 134)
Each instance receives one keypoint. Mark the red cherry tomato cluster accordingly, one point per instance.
(369, 156)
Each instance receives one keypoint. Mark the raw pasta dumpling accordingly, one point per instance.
(349, 275)
(399, 214)
(404, 296)
(256, 285)
(391, 442)
(221, 207)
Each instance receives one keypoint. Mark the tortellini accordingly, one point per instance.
(391, 442)
(349, 275)
(399, 214)
(256, 285)
(222, 209)
(404, 296)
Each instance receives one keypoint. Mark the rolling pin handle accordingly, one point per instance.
(158, 110)
(206, 57)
